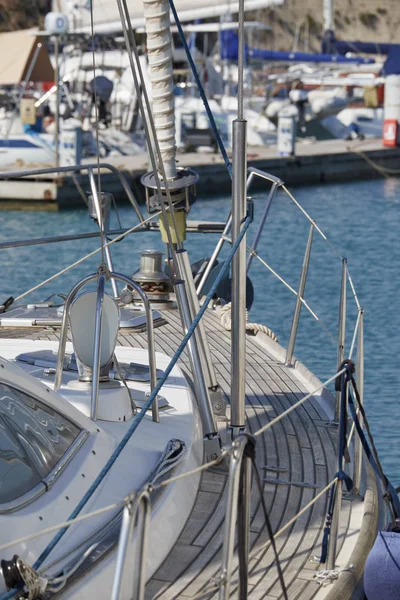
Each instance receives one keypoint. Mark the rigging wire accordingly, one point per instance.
(81, 260)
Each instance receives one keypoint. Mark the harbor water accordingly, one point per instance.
(362, 222)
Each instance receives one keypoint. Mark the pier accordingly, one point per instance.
(315, 162)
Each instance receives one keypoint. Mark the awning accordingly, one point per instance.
(17, 50)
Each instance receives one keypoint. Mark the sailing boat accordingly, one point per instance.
(123, 471)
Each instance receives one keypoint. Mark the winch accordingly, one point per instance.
(151, 277)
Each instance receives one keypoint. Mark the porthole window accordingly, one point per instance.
(33, 440)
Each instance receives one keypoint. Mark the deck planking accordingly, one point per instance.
(300, 445)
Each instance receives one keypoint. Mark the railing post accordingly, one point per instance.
(342, 329)
(300, 295)
(96, 350)
(140, 507)
(260, 228)
(150, 338)
(358, 450)
(333, 536)
(231, 512)
(334, 529)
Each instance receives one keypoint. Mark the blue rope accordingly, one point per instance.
(342, 420)
(201, 89)
(386, 483)
(341, 475)
(144, 409)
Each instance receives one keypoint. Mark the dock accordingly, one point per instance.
(315, 162)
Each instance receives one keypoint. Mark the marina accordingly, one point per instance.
(195, 401)
(314, 162)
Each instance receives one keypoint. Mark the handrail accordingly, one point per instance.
(78, 169)
(97, 341)
(300, 294)
(101, 276)
(358, 451)
(341, 327)
(141, 501)
(234, 477)
(133, 426)
(138, 506)
(336, 498)
(252, 171)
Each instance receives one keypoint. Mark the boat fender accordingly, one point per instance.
(224, 291)
(382, 568)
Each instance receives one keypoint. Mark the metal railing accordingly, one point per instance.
(137, 508)
(101, 276)
(142, 501)
(136, 515)
(252, 172)
(339, 340)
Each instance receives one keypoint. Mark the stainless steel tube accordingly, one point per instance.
(150, 339)
(182, 258)
(139, 572)
(244, 526)
(214, 255)
(230, 517)
(337, 507)
(139, 508)
(202, 393)
(358, 449)
(333, 537)
(238, 344)
(128, 521)
(64, 328)
(97, 343)
(265, 175)
(341, 328)
(260, 228)
(300, 294)
(252, 172)
(101, 222)
(150, 334)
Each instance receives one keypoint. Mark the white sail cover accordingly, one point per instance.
(106, 15)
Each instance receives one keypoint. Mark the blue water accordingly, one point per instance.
(361, 219)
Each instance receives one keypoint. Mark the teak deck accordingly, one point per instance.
(299, 449)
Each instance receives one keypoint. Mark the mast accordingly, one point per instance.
(329, 27)
(328, 16)
(239, 174)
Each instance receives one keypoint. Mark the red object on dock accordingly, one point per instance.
(390, 132)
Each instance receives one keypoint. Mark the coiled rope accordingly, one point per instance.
(226, 322)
